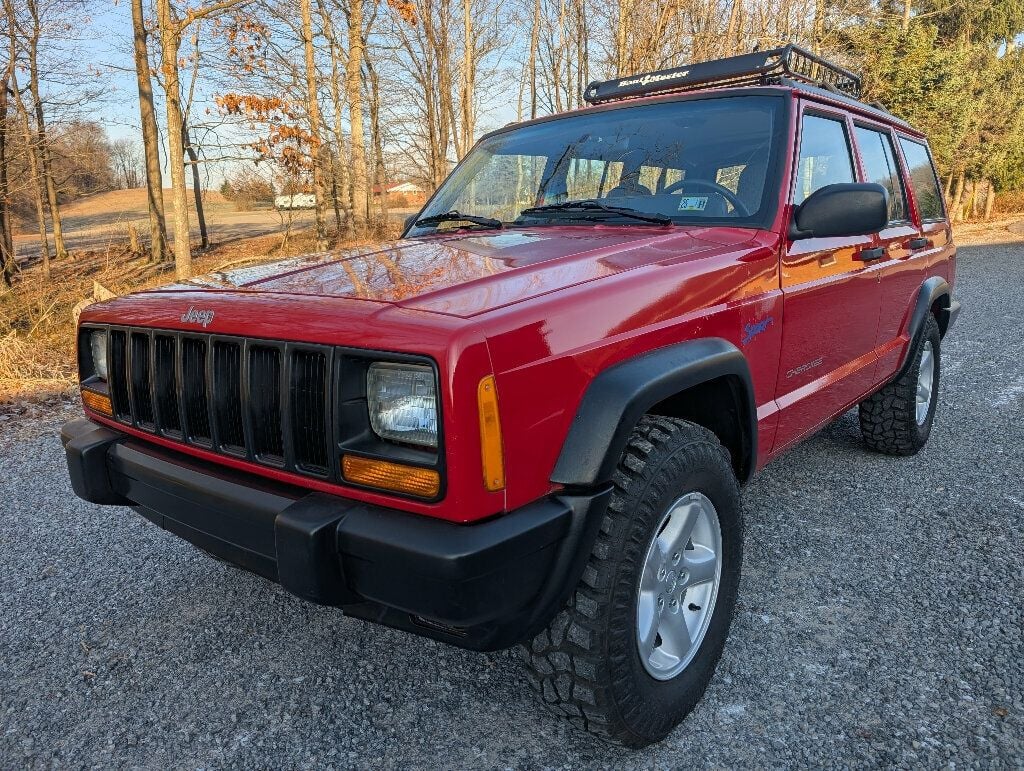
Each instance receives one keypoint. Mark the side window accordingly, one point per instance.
(922, 180)
(824, 156)
(880, 167)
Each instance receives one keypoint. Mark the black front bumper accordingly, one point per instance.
(482, 586)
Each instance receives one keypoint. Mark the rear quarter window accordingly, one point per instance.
(923, 181)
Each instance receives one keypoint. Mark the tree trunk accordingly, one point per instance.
(958, 192)
(170, 42)
(908, 7)
(971, 196)
(43, 148)
(313, 113)
(197, 190)
(534, 40)
(468, 78)
(990, 200)
(621, 34)
(150, 138)
(354, 95)
(729, 44)
(380, 171)
(7, 256)
(33, 167)
(339, 169)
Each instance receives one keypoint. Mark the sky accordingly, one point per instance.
(105, 46)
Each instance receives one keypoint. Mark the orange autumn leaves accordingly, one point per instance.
(285, 141)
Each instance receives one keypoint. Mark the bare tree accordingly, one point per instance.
(150, 136)
(338, 165)
(354, 96)
(28, 140)
(129, 168)
(172, 27)
(33, 35)
(8, 262)
(313, 112)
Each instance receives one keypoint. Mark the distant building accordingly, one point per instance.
(401, 194)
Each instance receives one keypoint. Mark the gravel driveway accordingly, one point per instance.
(879, 622)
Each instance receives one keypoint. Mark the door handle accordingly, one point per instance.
(918, 243)
(870, 255)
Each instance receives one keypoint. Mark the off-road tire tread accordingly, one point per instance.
(887, 418)
(564, 663)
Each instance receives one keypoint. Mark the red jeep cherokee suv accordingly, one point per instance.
(528, 421)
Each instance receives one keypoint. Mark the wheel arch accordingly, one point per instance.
(706, 381)
(934, 297)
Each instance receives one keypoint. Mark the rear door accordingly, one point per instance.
(831, 296)
(924, 252)
(898, 268)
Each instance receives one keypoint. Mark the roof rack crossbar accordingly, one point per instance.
(757, 68)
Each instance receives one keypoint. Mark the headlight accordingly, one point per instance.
(402, 401)
(98, 344)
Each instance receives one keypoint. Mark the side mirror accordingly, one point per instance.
(847, 209)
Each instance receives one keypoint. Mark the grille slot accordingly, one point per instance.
(165, 375)
(308, 383)
(227, 396)
(138, 362)
(119, 374)
(194, 392)
(265, 403)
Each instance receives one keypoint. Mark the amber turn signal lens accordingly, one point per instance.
(491, 453)
(97, 402)
(421, 482)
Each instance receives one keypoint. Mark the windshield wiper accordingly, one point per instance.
(454, 216)
(591, 206)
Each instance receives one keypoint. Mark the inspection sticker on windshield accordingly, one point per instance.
(693, 202)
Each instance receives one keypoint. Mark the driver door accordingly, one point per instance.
(831, 295)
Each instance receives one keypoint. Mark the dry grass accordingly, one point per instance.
(37, 340)
(995, 231)
(1009, 203)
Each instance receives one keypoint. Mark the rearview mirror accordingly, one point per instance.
(846, 209)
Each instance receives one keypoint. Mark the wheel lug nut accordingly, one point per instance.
(676, 557)
(661, 574)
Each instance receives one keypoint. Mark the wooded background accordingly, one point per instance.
(341, 97)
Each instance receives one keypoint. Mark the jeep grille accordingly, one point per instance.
(259, 400)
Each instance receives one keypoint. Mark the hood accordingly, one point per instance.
(470, 273)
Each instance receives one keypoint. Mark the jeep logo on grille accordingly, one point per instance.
(192, 316)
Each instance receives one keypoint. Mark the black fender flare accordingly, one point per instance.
(619, 396)
(933, 290)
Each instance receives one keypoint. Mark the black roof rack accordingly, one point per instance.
(757, 68)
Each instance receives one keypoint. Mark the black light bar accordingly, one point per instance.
(757, 68)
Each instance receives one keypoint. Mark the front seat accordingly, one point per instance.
(628, 187)
(750, 185)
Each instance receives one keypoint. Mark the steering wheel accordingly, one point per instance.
(714, 187)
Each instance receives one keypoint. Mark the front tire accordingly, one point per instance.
(632, 653)
(897, 420)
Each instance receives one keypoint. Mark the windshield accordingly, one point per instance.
(693, 161)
